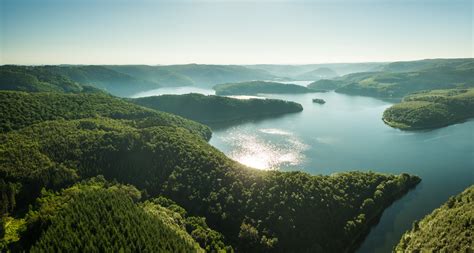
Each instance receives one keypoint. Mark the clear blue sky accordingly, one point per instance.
(232, 32)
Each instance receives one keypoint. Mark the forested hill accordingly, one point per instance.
(212, 109)
(424, 75)
(33, 79)
(21, 109)
(70, 79)
(254, 210)
(431, 109)
(449, 228)
(256, 87)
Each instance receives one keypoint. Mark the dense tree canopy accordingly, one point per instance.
(20, 109)
(256, 87)
(400, 79)
(430, 109)
(449, 228)
(210, 109)
(281, 211)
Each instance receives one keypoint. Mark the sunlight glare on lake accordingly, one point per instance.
(261, 152)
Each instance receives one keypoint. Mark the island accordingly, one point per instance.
(129, 177)
(257, 87)
(449, 228)
(213, 109)
(431, 109)
(319, 101)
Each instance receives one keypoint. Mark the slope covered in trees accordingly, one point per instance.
(449, 228)
(317, 74)
(35, 79)
(431, 109)
(96, 216)
(156, 74)
(211, 109)
(20, 109)
(255, 210)
(70, 79)
(256, 87)
(114, 82)
(399, 84)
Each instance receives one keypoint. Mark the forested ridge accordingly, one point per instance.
(158, 169)
(431, 109)
(399, 79)
(256, 87)
(449, 228)
(255, 210)
(20, 109)
(212, 109)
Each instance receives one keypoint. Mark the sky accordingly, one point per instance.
(233, 32)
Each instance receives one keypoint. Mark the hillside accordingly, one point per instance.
(431, 109)
(325, 84)
(21, 109)
(291, 71)
(411, 66)
(210, 75)
(256, 87)
(156, 74)
(34, 79)
(212, 109)
(319, 73)
(157, 225)
(254, 210)
(448, 228)
(397, 85)
(114, 82)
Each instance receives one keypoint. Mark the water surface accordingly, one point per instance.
(347, 133)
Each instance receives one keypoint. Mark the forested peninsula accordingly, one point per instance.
(214, 109)
(257, 87)
(431, 109)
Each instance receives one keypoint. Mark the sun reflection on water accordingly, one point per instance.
(267, 149)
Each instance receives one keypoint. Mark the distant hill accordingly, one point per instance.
(256, 87)
(292, 71)
(210, 75)
(399, 84)
(319, 73)
(448, 228)
(71, 79)
(411, 66)
(431, 109)
(116, 83)
(34, 79)
(156, 74)
(212, 109)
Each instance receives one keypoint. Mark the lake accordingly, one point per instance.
(347, 133)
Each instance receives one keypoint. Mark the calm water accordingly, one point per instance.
(347, 133)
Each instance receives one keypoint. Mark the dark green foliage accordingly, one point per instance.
(116, 83)
(34, 79)
(431, 109)
(449, 228)
(445, 74)
(19, 109)
(209, 109)
(289, 211)
(256, 87)
(208, 239)
(99, 217)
